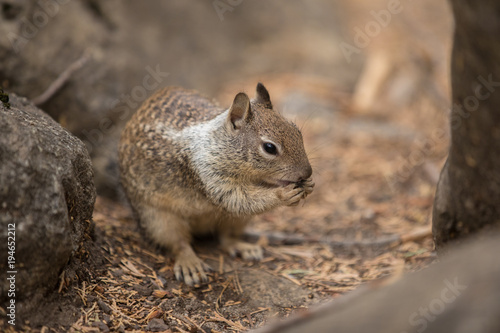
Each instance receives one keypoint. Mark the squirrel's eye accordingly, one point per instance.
(270, 148)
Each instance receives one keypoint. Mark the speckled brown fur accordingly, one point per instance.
(189, 167)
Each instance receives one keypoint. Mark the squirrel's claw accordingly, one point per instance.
(190, 269)
(246, 250)
(308, 186)
(291, 194)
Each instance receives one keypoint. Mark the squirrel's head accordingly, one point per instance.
(271, 146)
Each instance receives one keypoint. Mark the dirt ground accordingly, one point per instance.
(368, 218)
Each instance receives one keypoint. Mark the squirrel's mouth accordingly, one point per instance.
(278, 183)
(284, 183)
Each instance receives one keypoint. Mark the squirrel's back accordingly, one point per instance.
(149, 154)
(177, 108)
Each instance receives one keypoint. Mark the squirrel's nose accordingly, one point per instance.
(306, 172)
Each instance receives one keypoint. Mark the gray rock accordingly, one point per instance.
(47, 197)
(269, 291)
(468, 190)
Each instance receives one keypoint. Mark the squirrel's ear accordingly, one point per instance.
(262, 96)
(239, 110)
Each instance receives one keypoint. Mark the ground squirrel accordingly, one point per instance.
(189, 167)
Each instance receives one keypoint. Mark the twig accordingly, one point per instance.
(82, 293)
(250, 320)
(181, 330)
(86, 313)
(237, 280)
(288, 277)
(188, 321)
(219, 318)
(219, 299)
(417, 234)
(62, 284)
(259, 311)
(61, 80)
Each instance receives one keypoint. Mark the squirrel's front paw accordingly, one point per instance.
(308, 186)
(190, 269)
(291, 194)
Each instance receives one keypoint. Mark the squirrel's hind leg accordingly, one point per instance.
(173, 232)
(246, 250)
(189, 268)
(230, 241)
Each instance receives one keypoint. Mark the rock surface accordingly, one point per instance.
(269, 291)
(47, 197)
(468, 191)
